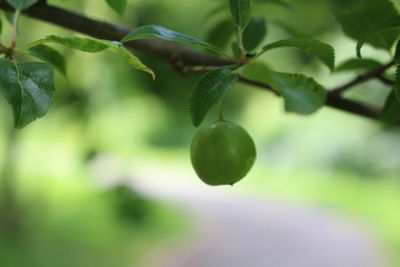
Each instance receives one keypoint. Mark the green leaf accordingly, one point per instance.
(241, 12)
(302, 94)
(358, 64)
(208, 91)
(159, 32)
(49, 55)
(78, 43)
(321, 50)
(119, 49)
(396, 87)
(221, 33)
(92, 46)
(220, 6)
(342, 5)
(260, 73)
(254, 33)
(385, 28)
(364, 17)
(21, 4)
(391, 111)
(397, 53)
(118, 6)
(28, 87)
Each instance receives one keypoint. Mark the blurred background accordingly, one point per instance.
(105, 178)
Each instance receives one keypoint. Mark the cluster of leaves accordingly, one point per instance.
(301, 94)
(375, 22)
(28, 86)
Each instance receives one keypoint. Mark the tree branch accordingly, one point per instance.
(181, 58)
(385, 80)
(351, 106)
(166, 51)
(376, 73)
(332, 100)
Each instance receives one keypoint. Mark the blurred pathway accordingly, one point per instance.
(234, 231)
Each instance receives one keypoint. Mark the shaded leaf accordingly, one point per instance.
(241, 12)
(358, 64)
(342, 5)
(363, 17)
(21, 4)
(254, 33)
(49, 55)
(118, 6)
(221, 33)
(302, 94)
(159, 32)
(221, 6)
(321, 50)
(28, 87)
(388, 27)
(397, 53)
(396, 87)
(391, 111)
(208, 91)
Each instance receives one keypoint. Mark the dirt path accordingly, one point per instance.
(237, 231)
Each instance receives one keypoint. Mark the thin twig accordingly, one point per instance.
(166, 51)
(332, 100)
(385, 80)
(258, 84)
(376, 73)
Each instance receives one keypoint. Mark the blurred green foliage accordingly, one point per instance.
(69, 223)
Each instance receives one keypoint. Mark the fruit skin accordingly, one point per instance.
(222, 153)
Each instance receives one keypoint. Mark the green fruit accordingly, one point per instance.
(222, 153)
